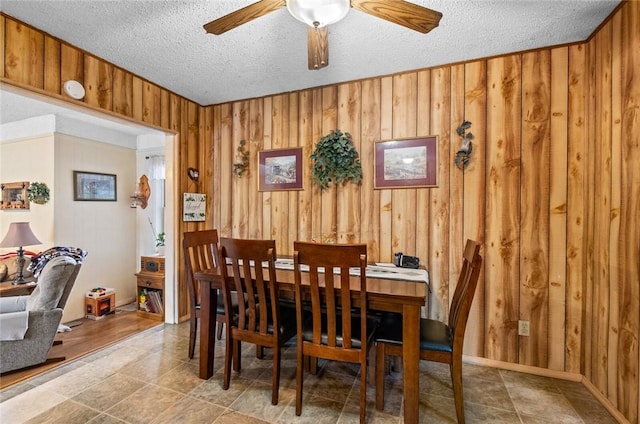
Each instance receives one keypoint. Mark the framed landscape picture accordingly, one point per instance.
(404, 163)
(93, 186)
(280, 169)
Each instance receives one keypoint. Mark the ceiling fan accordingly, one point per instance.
(317, 14)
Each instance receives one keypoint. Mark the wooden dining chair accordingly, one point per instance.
(439, 341)
(259, 319)
(335, 328)
(200, 250)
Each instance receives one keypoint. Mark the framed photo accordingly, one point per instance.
(92, 186)
(280, 169)
(14, 195)
(409, 162)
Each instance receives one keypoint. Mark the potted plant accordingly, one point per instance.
(160, 239)
(335, 159)
(38, 193)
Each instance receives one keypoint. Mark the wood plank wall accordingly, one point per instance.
(552, 190)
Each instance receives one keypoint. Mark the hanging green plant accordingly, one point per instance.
(463, 156)
(335, 159)
(38, 193)
(241, 165)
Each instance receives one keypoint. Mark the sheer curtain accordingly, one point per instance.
(156, 175)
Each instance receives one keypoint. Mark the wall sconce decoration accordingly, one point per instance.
(141, 195)
(463, 156)
(241, 165)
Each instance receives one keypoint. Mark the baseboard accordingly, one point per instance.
(544, 372)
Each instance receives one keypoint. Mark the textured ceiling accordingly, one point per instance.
(164, 42)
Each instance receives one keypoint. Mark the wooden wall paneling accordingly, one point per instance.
(98, 83)
(183, 142)
(205, 120)
(403, 224)
(369, 135)
(386, 133)
(123, 94)
(279, 230)
(267, 210)
(425, 221)
(3, 23)
(558, 208)
(151, 103)
(432, 242)
(24, 54)
(52, 58)
(501, 247)
(165, 110)
(225, 195)
(294, 141)
(534, 206)
(348, 196)
(71, 64)
(137, 99)
(475, 111)
(628, 351)
(214, 197)
(305, 140)
(254, 145)
(576, 207)
(456, 188)
(614, 232)
(328, 213)
(239, 196)
(317, 121)
(602, 209)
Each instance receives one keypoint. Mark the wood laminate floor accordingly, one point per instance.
(86, 337)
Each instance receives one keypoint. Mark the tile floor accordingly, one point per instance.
(149, 379)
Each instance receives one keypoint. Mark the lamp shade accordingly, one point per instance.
(318, 13)
(19, 235)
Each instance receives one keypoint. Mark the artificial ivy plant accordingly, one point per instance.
(335, 160)
(38, 193)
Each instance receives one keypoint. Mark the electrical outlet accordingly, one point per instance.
(523, 328)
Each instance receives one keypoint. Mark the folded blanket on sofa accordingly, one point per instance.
(38, 262)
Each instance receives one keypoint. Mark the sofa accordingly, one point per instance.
(9, 266)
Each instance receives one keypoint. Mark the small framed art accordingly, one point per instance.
(280, 169)
(404, 163)
(93, 186)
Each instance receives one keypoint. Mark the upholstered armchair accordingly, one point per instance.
(28, 324)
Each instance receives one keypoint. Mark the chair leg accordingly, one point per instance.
(380, 373)
(228, 355)
(275, 376)
(299, 375)
(259, 351)
(193, 329)
(456, 380)
(363, 392)
(219, 330)
(237, 355)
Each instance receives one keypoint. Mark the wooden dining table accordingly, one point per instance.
(392, 295)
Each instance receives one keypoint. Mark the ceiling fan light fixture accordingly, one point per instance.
(318, 13)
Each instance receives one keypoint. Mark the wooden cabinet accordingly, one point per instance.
(151, 287)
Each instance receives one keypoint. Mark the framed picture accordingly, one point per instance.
(280, 169)
(194, 207)
(409, 162)
(14, 195)
(92, 186)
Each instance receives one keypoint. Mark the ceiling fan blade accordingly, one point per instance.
(400, 12)
(242, 16)
(318, 47)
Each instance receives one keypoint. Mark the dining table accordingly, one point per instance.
(387, 290)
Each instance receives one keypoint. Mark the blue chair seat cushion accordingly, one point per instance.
(434, 335)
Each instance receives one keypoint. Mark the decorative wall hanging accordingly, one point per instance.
(38, 193)
(464, 154)
(241, 165)
(143, 191)
(194, 207)
(280, 169)
(409, 162)
(14, 195)
(93, 186)
(335, 160)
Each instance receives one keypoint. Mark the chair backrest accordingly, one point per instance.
(330, 291)
(54, 284)
(465, 289)
(200, 249)
(258, 308)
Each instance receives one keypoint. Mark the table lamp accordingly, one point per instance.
(19, 235)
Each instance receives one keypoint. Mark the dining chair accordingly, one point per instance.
(200, 250)
(328, 330)
(439, 341)
(248, 267)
